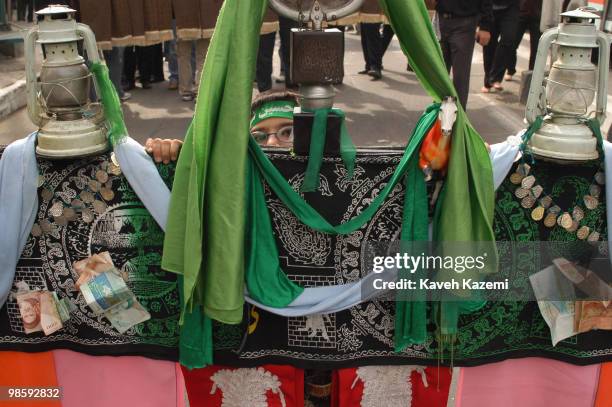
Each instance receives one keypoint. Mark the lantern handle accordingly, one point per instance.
(536, 89)
(603, 41)
(31, 77)
(90, 45)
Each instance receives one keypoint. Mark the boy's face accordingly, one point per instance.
(274, 132)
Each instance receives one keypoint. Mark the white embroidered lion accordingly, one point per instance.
(246, 387)
(389, 383)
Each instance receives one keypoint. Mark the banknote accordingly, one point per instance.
(127, 315)
(29, 308)
(105, 291)
(64, 307)
(559, 315)
(49, 317)
(91, 267)
(593, 315)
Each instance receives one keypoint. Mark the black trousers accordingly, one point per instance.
(457, 42)
(374, 45)
(498, 54)
(531, 24)
(284, 30)
(148, 60)
(265, 54)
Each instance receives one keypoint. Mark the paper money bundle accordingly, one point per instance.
(41, 310)
(105, 291)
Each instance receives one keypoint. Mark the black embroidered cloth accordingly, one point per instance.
(363, 335)
(120, 224)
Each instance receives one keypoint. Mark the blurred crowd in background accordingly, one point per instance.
(139, 36)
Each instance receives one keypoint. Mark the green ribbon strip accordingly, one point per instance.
(117, 132)
(318, 135)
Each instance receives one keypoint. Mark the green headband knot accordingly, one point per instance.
(276, 108)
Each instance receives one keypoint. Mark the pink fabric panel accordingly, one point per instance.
(528, 382)
(102, 381)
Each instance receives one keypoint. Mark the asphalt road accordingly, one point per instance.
(378, 112)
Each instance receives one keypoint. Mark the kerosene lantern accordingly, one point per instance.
(70, 125)
(317, 62)
(565, 97)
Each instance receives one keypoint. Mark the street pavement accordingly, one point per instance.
(379, 113)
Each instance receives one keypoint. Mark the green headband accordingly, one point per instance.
(277, 108)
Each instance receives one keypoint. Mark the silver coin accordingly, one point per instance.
(593, 237)
(87, 197)
(107, 194)
(45, 226)
(77, 204)
(603, 249)
(70, 214)
(537, 191)
(36, 230)
(555, 209)
(56, 209)
(60, 220)
(578, 213)
(595, 190)
(104, 165)
(46, 194)
(523, 169)
(99, 206)
(528, 202)
(590, 202)
(102, 176)
(528, 182)
(114, 160)
(546, 201)
(521, 193)
(94, 185)
(87, 215)
(600, 177)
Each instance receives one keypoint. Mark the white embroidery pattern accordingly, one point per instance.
(246, 387)
(389, 383)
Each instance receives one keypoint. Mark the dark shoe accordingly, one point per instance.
(375, 74)
(146, 85)
(129, 86)
(364, 72)
(125, 97)
(157, 79)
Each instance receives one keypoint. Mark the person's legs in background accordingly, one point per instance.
(201, 48)
(145, 58)
(185, 76)
(488, 54)
(507, 24)
(130, 61)
(114, 60)
(171, 58)
(265, 55)
(157, 63)
(533, 25)
(457, 41)
(520, 31)
(285, 25)
(374, 48)
(364, 48)
(387, 36)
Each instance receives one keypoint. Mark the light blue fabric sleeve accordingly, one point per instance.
(18, 206)
(142, 175)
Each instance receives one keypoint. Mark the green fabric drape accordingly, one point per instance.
(348, 152)
(266, 282)
(205, 231)
(465, 211)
